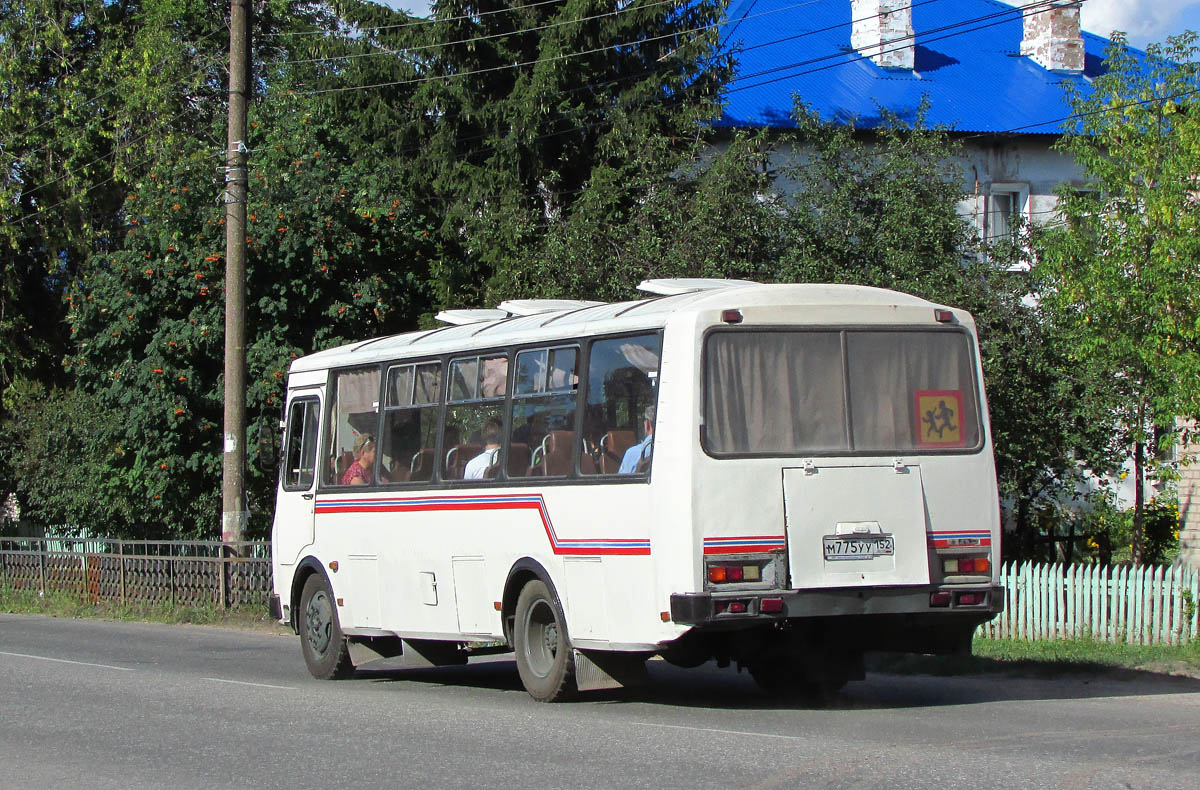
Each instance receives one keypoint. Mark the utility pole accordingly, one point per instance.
(233, 485)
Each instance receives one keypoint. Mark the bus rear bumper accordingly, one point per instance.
(735, 609)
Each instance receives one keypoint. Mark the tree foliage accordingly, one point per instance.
(524, 112)
(335, 253)
(1121, 270)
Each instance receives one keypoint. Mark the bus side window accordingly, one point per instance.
(622, 379)
(410, 421)
(354, 412)
(543, 413)
(474, 416)
(300, 463)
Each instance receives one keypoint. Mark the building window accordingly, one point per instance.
(1006, 205)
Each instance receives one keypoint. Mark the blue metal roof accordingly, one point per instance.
(968, 63)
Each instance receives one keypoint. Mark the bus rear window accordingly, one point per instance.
(831, 392)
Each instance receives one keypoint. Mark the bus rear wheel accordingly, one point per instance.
(325, 650)
(545, 660)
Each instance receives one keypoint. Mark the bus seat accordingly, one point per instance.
(492, 472)
(341, 464)
(612, 450)
(421, 466)
(457, 459)
(586, 465)
(518, 459)
(557, 456)
(399, 473)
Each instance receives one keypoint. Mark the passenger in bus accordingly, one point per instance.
(640, 452)
(478, 466)
(359, 473)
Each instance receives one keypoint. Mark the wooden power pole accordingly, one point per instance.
(233, 486)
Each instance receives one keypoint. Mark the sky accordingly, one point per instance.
(1144, 20)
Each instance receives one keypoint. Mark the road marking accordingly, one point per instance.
(247, 683)
(66, 661)
(720, 732)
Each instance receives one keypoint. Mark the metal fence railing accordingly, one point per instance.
(185, 573)
(1152, 604)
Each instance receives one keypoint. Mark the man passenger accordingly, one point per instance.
(634, 455)
(478, 466)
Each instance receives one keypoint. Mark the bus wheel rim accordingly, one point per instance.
(320, 624)
(541, 643)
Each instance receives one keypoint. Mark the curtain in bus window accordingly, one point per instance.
(354, 413)
(428, 384)
(358, 391)
(911, 390)
(774, 392)
(399, 385)
(493, 377)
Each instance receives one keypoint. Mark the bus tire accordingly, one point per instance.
(325, 649)
(545, 660)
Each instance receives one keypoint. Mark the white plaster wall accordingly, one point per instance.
(986, 161)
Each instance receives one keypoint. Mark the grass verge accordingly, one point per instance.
(1048, 659)
(61, 604)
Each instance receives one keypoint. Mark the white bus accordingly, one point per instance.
(781, 476)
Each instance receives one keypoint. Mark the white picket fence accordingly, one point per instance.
(1147, 605)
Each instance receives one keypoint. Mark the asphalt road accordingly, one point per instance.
(113, 705)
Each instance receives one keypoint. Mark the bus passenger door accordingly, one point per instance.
(293, 528)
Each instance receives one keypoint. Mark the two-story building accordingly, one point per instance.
(991, 72)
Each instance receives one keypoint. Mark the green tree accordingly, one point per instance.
(705, 216)
(77, 81)
(335, 254)
(1122, 271)
(524, 110)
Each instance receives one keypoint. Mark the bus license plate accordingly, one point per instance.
(839, 548)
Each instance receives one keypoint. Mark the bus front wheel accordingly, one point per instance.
(544, 657)
(325, 650)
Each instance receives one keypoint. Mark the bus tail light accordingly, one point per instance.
(770, 606)
(731, 316)
(971, 598)
(734, 572)
(939, 599)
(959, 565)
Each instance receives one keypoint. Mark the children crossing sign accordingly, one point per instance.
(939, 419)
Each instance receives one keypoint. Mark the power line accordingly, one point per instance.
(418, 22)
(551, 25)
(601, 123)
(1041, 5)
(1004, 16)
(568, 55)
(489, 37)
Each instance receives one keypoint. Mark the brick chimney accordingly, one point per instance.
(883, 32)
(1053, 38)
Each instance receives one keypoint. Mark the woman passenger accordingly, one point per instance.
(359, 472)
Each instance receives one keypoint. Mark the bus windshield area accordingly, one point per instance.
(830, 392)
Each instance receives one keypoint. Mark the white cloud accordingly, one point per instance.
(1143, 20)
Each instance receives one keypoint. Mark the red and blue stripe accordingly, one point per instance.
(441, 503)
(959, 537)
(755, 544)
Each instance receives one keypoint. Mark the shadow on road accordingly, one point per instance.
(711, 687)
